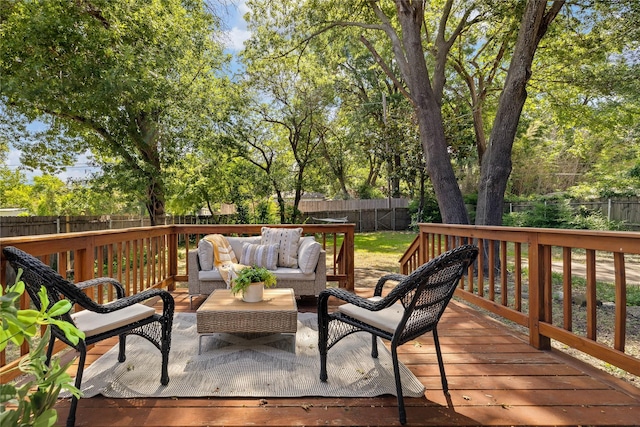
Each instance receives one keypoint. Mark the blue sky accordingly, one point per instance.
(235, 35)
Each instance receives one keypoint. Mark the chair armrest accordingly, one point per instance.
(346, 296)
(92, 283)
(167, 299)
(384, 279)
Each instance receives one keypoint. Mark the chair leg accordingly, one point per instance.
(322, 347)
(323, 366)
(374, 346)
(443, 376)
(396, 372)
(122, 356)
(71, 419)
(165, 347)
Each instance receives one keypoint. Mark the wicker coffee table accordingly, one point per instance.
(222, 311)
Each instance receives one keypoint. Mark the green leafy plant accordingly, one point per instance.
(250, 275)
(31, 403)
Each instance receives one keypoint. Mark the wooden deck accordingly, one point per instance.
(495, 378)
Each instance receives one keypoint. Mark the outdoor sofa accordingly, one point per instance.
(307, 276)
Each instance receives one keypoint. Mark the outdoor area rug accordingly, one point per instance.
(233, 366)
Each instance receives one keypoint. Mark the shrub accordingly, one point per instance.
(430, 212)
(560, 214)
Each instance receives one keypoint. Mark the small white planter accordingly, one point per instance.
(254, 293)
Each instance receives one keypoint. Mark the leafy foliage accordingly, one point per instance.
(33, 401)
(135, 82)
(139, 84)
(430, 212)
(250, 275)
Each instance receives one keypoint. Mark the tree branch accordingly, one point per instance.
(101, 131)
(93, 11)
(386, 68)
(548, 18)
(396, 44)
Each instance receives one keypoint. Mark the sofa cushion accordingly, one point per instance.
(308, 254)
(205, 254)
(209, 275)
(282, 273)
(260, 255)
(285, 273)
(237, 242)
(288, 239)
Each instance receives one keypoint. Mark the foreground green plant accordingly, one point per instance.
(31, 403)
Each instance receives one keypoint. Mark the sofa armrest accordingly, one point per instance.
(321, 272)
(193, 268)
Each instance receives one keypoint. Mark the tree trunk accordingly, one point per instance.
(478, 127)
(429, 116)
(281, 204)
(496, 165)
(144, 129)
(155, 203)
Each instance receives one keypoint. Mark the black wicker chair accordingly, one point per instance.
(413, 307)
(121, 317)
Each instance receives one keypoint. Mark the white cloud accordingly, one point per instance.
(242, 8)
(236, 38)
(238, 34)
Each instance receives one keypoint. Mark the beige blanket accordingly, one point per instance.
(224, 259)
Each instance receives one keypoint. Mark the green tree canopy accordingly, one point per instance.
(137, 83)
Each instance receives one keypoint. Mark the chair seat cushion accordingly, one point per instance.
(92, 323)
(386, 319)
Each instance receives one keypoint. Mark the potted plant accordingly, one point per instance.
(251, 281)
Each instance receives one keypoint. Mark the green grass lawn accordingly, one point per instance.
(381, 250)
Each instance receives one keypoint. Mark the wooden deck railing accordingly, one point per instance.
(515, 273)
(150, 257)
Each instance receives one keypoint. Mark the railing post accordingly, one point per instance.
(424, 246)
(536, 294)
(83, 267)
(349, 245)
(173, 257)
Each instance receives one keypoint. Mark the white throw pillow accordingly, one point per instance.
(308, 254)
(205, 254)
(260, 255)
(288, 239)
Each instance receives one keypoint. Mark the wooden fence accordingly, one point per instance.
(365, 220)
(395, 219)
(367, 215)
(313, 206)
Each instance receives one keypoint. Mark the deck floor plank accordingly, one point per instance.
(495, 378)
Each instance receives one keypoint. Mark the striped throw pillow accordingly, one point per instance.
(288, 239)
(260, 255)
